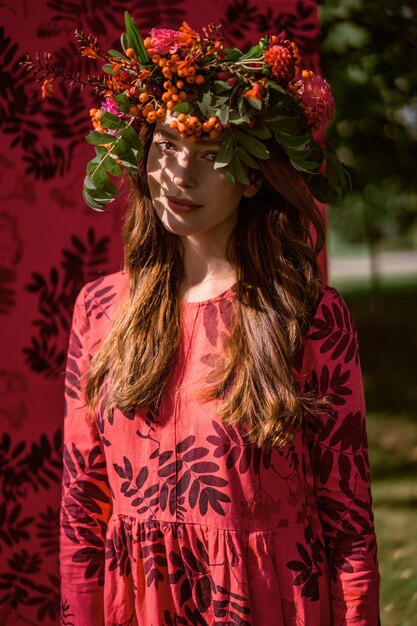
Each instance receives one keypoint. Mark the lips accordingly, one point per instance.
(181, 205)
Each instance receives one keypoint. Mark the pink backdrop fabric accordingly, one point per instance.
(51, 244)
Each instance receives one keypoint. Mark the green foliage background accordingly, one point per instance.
(369, 56)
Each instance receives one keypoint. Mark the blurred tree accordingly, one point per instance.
(369, 56)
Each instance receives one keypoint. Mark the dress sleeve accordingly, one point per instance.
(86, 501)
(339, 467)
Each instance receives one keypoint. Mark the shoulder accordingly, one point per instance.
(98, 301)
(331, 314)
(331, 341)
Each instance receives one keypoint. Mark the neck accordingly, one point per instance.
(207, 270)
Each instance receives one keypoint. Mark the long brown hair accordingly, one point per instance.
(274, 250)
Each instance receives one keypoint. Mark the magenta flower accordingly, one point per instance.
(110, 106)
(165, 40)
(316, 99)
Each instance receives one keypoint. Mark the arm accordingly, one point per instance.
(339, 462)
(86, 501)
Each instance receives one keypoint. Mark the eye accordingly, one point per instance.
(166, 146)
(210, 156)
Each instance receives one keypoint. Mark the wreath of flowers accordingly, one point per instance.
(254, 95)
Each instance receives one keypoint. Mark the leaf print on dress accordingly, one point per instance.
(336, 332)
(84, 506)
(211, 322)
(308, 566)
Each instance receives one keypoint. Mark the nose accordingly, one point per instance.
(183, 171)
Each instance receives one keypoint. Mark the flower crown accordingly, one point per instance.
(256, 95)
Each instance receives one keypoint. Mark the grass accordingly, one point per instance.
(387, 327)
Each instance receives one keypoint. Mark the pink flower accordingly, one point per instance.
(164, 40)
(316, 99)
(110, 106)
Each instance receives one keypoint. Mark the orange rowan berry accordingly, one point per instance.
(174, 97)
(191, 71)
(172, 65)
(173, 124)
(182, 127)
(170, 105)
(151, 117)
(134, 111)
(167, 72)
(143, 97)
(160, 113)
(206, 127)
(182, 96)
(175, 57)
(156, 58)
(182, 72)
(167, 85)
(147, 42)
(192, 138)
(166, 96)
(92, 112)
(190, 80)
(99, 113)
(213, 134)
(130, 53)
(180, 84)
(181, 117)
(162, 62)
(199, 79)
(212, 120)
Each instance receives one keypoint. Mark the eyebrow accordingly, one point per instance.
(175, 136)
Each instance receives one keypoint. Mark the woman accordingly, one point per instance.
(215, 464)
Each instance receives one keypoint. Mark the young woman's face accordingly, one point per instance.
(190, 197)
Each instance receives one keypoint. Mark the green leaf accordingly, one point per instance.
(123, 103)
(107, 161)
(111, 121)
(298, 142)
(229, 174)
(124, 41)
(132, 139)
(94, 204)
(225, 153)
(262, 131)
(223, 115)
(246, 158)
(283, 123)
(135, 38)
(232, 54)
(239, 171)
(205, 103)
(254, 103)
(304, 166)
(182, 107)
(95, 137)
(117, 54)
(253, 53)
(220, 86)
(252, 144)
(108, 68)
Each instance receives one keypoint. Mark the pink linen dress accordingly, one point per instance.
(172, 519)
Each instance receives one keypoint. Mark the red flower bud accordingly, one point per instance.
(221, 76)
(232, 81)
